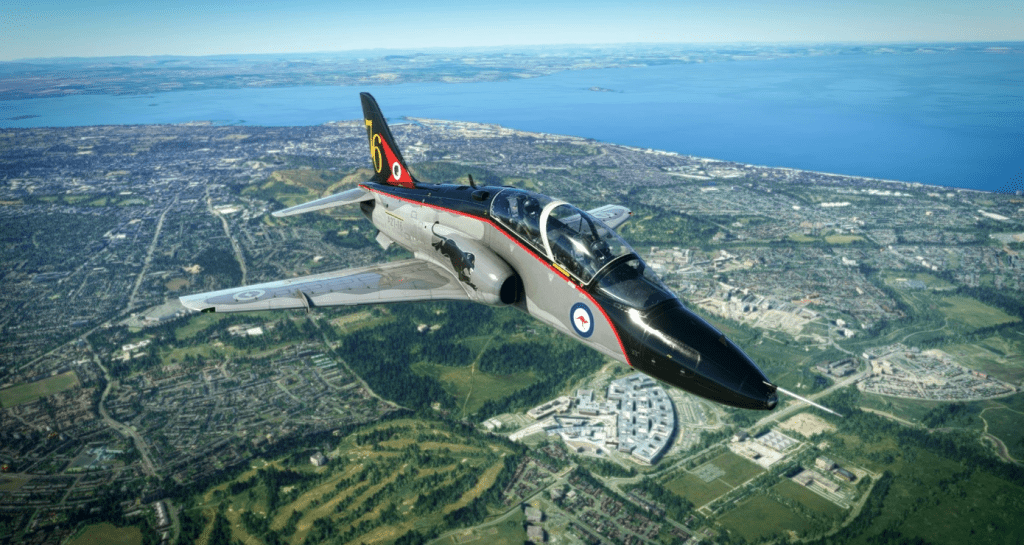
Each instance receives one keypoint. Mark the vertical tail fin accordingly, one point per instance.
(387, 160)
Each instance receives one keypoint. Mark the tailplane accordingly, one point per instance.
(387, 160)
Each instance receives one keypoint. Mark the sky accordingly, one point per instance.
(70, 28)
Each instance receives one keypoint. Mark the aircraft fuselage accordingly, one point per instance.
(502, 262)
(506, 246)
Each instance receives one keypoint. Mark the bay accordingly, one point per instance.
(950, 118)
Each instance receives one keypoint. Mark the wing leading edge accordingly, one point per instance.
(408, 280)
(352, 196)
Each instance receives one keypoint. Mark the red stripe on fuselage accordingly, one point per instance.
(525, 248)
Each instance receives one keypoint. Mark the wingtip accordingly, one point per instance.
(192, 303)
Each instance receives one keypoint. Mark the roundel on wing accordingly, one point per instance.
(582, 320)
(248, 295)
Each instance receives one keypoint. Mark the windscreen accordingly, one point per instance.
(632, 283)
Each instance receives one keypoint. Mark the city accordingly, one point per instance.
(120, 406)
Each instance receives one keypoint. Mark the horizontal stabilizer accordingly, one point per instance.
(352, 196)
(613, 215)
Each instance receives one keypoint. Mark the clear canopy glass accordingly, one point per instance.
(519, 211)
(581, 245)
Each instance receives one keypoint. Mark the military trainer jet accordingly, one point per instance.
(504, 246)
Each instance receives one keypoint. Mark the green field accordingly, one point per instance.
(931, 281)
(812, 501)
(692, 488)
(954, 508)
(1005, 424)
(930, 497)
(292, 187)
(509, 532)
(177, 355)
(736, 472)
(197, 323)
(737, 469)
(1001, 355)
(973, 314)
(473, 388)
(24, 393)
(842, 239)
(952, 313)
(108, 534)
(759, 517)
(385, 480)
(11, 483)
(907, 409)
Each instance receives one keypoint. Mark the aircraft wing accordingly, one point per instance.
(613, 215)
(354, 195)
(408, 280)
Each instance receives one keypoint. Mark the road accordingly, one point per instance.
(227, 232)
(359, 379)
(997, 443)
(149, 253)
(792, 407)
(140, 444)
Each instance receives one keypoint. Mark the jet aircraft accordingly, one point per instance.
(505, 246)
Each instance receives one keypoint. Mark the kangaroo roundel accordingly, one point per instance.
(582, 319)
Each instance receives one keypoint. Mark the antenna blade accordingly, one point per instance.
(808, 401)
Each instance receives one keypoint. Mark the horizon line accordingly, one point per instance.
(523, 46)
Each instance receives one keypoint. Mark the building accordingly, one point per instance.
(850, 477)
(535, 534)
(824, 464)
(533, 514)
(318, 459)
(585, 402)
(557, 405)
(810, 477)
(646, 418)
(162, 519)
(840, 368)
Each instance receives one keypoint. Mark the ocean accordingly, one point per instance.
(949, 118)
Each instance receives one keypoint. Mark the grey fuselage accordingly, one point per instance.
(510, 247)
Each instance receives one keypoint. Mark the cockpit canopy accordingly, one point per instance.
(581, 245)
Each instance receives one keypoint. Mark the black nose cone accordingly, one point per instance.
(677, 346)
